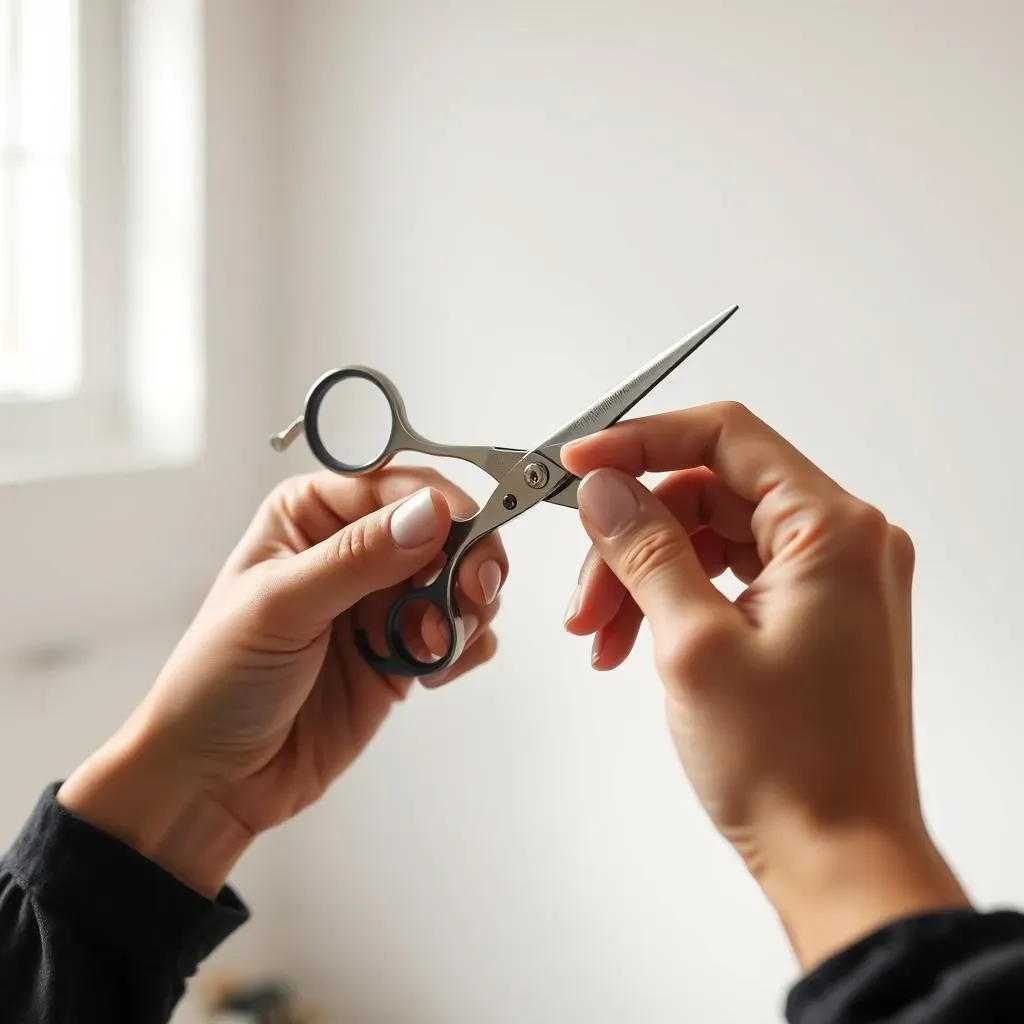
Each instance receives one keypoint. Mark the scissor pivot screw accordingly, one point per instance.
(536, 475)
(509, 501)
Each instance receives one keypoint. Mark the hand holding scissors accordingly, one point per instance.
(524, 480)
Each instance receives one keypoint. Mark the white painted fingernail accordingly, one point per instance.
(414, 522)
(469, 624)
(490, 580)
(574, 607)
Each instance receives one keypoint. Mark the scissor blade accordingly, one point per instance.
(496, 462)
(610, 408)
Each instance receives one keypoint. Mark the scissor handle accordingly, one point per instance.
(401, 436)
(440, 593)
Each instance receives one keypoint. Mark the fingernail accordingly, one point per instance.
(414, 522)
(469, 627)
(606, 502)
(573, 608)
(595, 650)
(490, 580)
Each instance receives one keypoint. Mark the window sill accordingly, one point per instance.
(108, 459)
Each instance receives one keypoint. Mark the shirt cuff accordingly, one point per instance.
(105, 887)
(902, 960)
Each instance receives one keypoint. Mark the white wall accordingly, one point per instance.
(506, 207)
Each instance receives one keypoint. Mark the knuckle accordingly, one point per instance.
(286, 502)
(856, 534)
(697, 653)
(283, 495)
(354, 542)
(799, 523)
(653, 553)
(867, 527)
(820, 519)
(733, 412)
(488, 644)
(903, 551)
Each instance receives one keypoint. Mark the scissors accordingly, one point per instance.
(524, 480)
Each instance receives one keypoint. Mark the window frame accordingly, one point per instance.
(97, 546)
(140, 264)
(93, 414)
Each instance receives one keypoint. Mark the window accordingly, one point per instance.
(105, 494)
(40, 334)
(100, 268)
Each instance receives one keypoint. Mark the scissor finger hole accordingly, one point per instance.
(353, 420)
(422, 630)
(416, 629)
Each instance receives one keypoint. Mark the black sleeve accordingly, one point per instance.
(90, 930)
(954, 967)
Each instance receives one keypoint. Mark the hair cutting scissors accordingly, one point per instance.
(524, 480)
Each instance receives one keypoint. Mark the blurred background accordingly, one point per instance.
(505, 207)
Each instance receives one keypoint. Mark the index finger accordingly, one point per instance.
(742, 450)
(747, 455)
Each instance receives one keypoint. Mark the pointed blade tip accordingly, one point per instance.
(715, 322)
(585, 423)
(726, 313)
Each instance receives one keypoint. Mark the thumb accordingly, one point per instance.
(647, 549)
(373, 553)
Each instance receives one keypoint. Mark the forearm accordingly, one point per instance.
(132, 790)
(838, 885)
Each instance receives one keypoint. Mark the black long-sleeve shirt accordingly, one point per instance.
(90, 930)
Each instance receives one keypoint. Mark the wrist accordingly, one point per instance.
(840, 885)
(137, 793)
